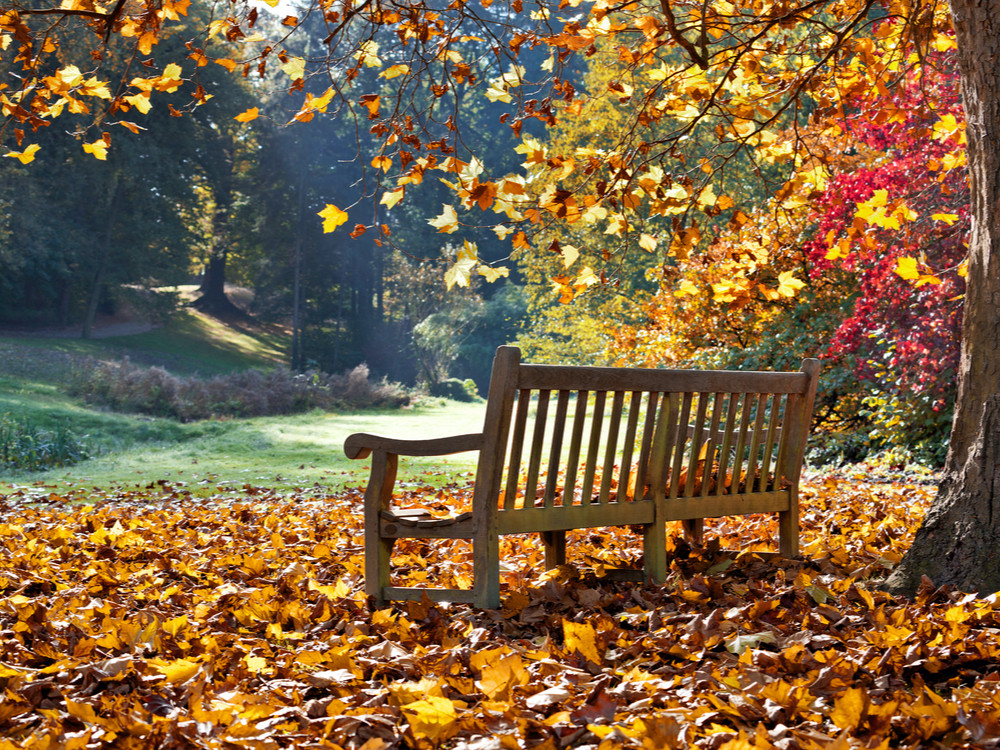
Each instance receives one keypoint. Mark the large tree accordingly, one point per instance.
(957, 543)
(751, 71)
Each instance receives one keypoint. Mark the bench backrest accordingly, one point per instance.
(565, 436)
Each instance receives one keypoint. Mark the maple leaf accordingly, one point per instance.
(433, 718)
(788, 285)
(394, 71)
(98, 148)
(332, 217)
(391, 198)
(491, 274)
(461, 271)
(446, 221)
(294, 68)
(582, 638)
(27, 155)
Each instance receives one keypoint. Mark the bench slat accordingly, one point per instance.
(678, 446)
(755, 441)
(535, 451)
(593, 447)
(713, 439)
(556, 377)
(696, 444)
(574, 517)
(576, 441)
(555, 454)
(631, 426)
(611, 447)
(776, 404)
(516, 443)
(684, 508)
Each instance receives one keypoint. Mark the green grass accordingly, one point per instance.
(130, 451)
(282, 453)
(190, 343)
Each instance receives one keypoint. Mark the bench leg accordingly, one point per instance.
(788, 532)
(486, 571)
(555, 548)
(694, 530)
(654, 551)
(378, 550)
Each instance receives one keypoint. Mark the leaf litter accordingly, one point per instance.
(154, 619)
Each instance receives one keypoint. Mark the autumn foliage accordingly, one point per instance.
(154, 618)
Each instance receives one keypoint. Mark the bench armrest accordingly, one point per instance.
(361, 444)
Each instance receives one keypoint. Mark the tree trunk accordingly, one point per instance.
(957, 542)
(213, 299)
(102, 265)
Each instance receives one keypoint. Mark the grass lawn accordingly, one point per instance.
(282, 453)
(130, 451)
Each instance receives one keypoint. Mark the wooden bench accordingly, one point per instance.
(567, 448)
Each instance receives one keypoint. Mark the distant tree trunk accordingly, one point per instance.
(297, 277)
(957, 542)
(102, 264)
(213, 299)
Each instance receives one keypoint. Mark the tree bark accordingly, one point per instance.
(213, 299)
(957, 542)
(102, 264)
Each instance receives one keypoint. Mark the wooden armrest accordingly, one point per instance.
(361, 444)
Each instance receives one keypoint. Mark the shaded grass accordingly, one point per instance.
(190, 343)
(282, 453)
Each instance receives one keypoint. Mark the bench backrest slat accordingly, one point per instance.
(569, 377)
(713, 438)
(552, 483)
(610, 451)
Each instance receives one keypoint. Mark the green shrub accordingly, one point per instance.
(25, 446)
(455, 389)
(123, 386)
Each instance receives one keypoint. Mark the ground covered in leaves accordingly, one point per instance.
(156, 619)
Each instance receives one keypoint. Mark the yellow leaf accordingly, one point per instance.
(98, 148)
(850, 708)
(461, 272)
(176, 671)
(432, 718)
(788, 285)
(500, 675)
(390, 199)
(251, 114)
(948, 218)
(394, 71)
(295, 68)
(906, 268)
(367, 54)
(140, 101)
(332, 217)
(685, 288)
(497, 92)
(648, 243)
(446, 222)
(255, 664)
(569, 255)
(492, 274)
(582, 638)
(27, 155)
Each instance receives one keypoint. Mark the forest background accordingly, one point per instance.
(850, 250)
